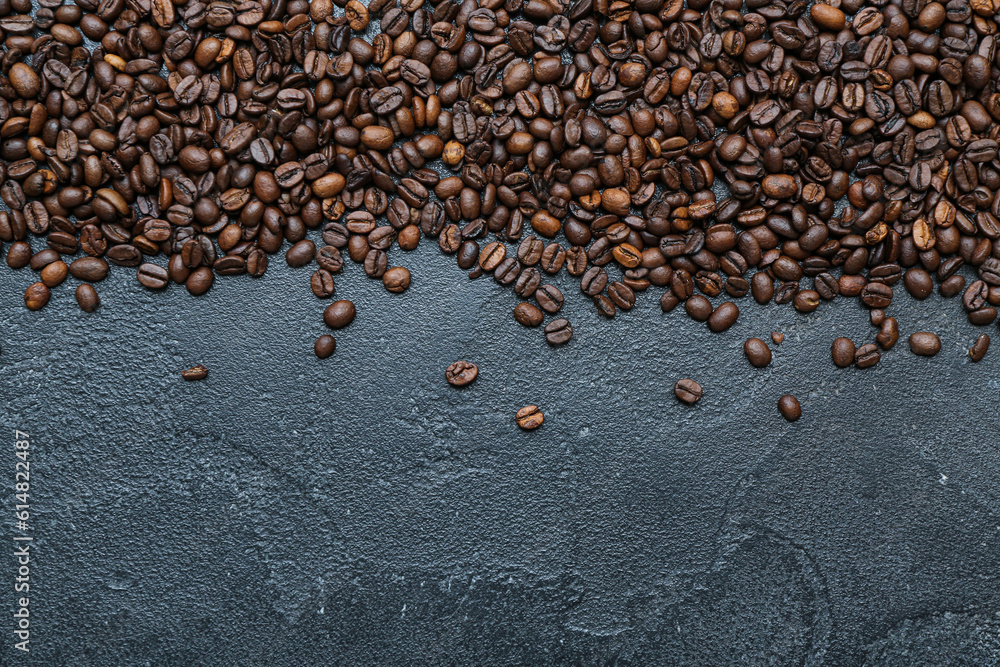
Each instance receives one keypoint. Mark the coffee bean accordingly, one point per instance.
(528, 315)
(925, 344)
(36, 296)
(867, 356)
(777, 337)
(549, 298)
(889, 333)
(325, 346)
(322, 283)
(789, 408)
(843, 352)
(200, 281)
(300, 253)
(688, 391)
(558, 331)
(529, 417)
(91, 269)
(396, 279)
(152, 276)
(199, 372)
(698, 308)
(461, 373)
(757, 352)
(87, 298)
(979, 348)
(724, 317)
(339, 314)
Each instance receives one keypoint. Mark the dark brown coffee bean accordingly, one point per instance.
(461, 373)
(889, 334)
(339, 314)
(979, 348)
(843, 352)
(698, 308)
(396, 279)
(300, 253)
(789, 408)
(91, 269)
(757, 352)
(528, 315)
(322, 283)
(867, 356)
(558, 332)
(325, 346)
(549, 298)
(152, 276)
(925, 344)
(688, 391)
(723, 317)
(87, 298)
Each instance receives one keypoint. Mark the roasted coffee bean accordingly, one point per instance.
(36, 296)
(529, 417)
(461, 373)
(91, 269)
(396, 279)
(300, 253)
(339, 314)
(325, 346)
(757, 352)
(918, 283)
(925, 344)
(87, 298)
(867, 355)
(152, 276)
(558, 332)
(322, 283)
(843, 352)
(688, 391)
(889, 333)
(528, 315)
(723, 317)
(979, 348)
(789, 408)
(199, 372)
(549, 298)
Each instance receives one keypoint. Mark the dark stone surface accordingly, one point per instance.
(358, 510)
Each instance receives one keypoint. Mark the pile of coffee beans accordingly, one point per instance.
(789, 151)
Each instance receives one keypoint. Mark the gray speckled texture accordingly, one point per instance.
(358, 510)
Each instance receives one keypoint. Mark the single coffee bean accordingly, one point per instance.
(301, 253)
(322, 283)
(724, 317)
(461, 373)
(529, 417)
(558, 331)
(152, 276)
(698, 308)
(789, 408)
(396, 279)
(36, 296)
(867, 355)
(339, 314)
(687, 391)
(200, 281)
(889, 333)
(549, 298)
(54, 274)
(757, 352)
(843, 352)
(324, 346)
(925, 343)
(91, 269)
(199, 372)
(528, 315)
(777, 337)
(979, 348)
(87, 298)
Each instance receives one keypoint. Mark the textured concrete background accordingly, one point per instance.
(358, 510)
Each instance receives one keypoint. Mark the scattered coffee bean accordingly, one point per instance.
(339, 314)
(528, 315)
(867, 355)
(925, 344)
(558, 331)
(396, 279)
(777, 337)
(757, 352)
(529, 417)
(36, 296)
(843, 352)
(723, 317)
(789, 408)
(199, 372)
(324, 346)
(87, 298)
(979, 348)
(688, 391)
(461, 373)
